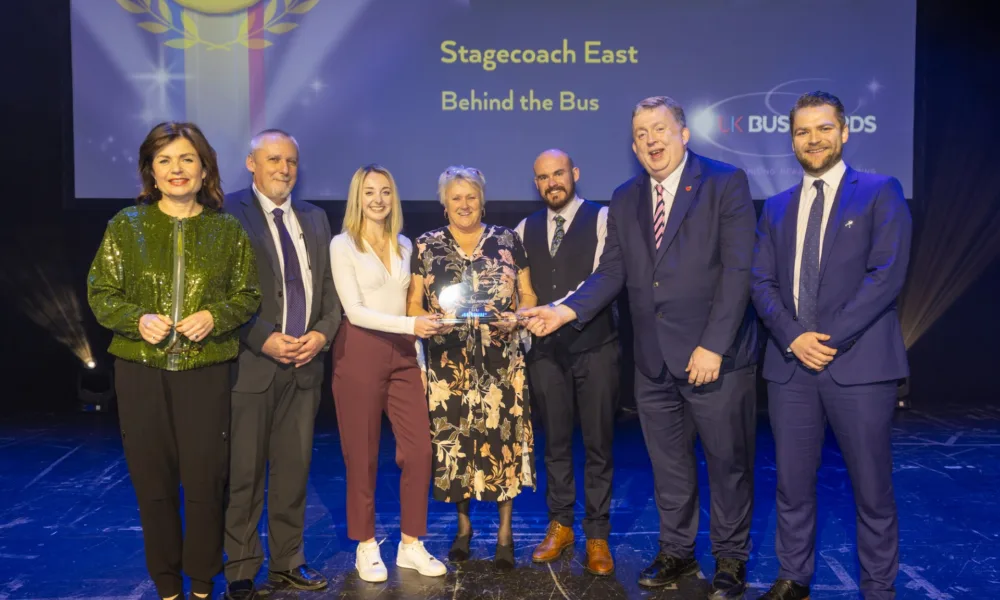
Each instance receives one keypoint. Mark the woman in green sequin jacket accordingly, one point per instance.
(174, 279)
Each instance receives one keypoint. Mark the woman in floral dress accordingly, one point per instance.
(477, 391)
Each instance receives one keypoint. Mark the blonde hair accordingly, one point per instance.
(471, 175)
(354, 216)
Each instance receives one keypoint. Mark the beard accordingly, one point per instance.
(824, 166)
(276, 191)
(568, 194)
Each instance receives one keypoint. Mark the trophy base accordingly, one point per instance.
(481, 317)
(470, 319)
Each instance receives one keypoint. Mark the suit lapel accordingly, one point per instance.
(309, 234)
(645, 215)
(840, 202)
(687, 189)
(255, 219)
(791, 228)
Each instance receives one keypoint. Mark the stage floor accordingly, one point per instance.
(69, 525)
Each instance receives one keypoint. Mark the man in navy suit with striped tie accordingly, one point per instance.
(680, 239)
(830, 261)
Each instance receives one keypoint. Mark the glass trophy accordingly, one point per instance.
(463, 304)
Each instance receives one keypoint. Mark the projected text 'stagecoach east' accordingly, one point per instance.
(593, 53)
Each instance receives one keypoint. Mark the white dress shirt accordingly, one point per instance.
(372, 297)
(831, 181)
(291, 222)
(568, 212)
(670, 185)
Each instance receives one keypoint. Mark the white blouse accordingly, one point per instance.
(372, 297)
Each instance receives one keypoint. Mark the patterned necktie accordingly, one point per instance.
(659, 217)
(295, 291)
(809, 269)
(557, 237)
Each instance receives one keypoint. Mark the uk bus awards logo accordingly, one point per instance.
(757, 123)
(781, 124)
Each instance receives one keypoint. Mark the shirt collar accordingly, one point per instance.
(269, 205)
(831, 178)
(568, 211)
(674, 179)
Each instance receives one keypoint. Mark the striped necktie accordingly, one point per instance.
(659, 217)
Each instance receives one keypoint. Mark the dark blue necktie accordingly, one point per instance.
(809, 269)
(295, 291)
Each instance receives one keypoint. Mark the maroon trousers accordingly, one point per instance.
(376, 372)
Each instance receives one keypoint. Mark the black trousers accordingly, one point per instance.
(272, 438)
(175, 430)
(566, 384)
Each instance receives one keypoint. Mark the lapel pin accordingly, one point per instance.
(687, 189)
(848, 224)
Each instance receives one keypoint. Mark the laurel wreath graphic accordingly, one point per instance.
(163, 23)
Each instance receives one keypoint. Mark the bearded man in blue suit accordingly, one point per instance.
(830, 261)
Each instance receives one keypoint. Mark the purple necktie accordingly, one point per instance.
(295, 291)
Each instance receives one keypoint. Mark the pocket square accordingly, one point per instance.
(848, 224)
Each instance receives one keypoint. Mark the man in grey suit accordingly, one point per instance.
(276, 384)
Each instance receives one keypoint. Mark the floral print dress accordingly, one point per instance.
(477, 392)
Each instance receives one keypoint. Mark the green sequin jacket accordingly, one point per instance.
(148, 259)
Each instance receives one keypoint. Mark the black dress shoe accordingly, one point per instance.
(730, 579)
(666, 570)
(302, 577)
(242, 589)
(784, 589)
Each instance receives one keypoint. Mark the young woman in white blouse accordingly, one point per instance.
(375, 370)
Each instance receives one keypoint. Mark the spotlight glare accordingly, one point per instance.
(91, 364)
(703, 123)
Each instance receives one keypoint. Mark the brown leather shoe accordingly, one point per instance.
(557, 540)
(599, 560)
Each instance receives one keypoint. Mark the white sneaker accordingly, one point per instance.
(415, 556)
(368, 562)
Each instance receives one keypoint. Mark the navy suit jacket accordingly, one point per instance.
(866, 249)
(693, 291)
(254, 370)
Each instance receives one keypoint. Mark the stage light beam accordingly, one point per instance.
(958, 239)
(52, 305)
